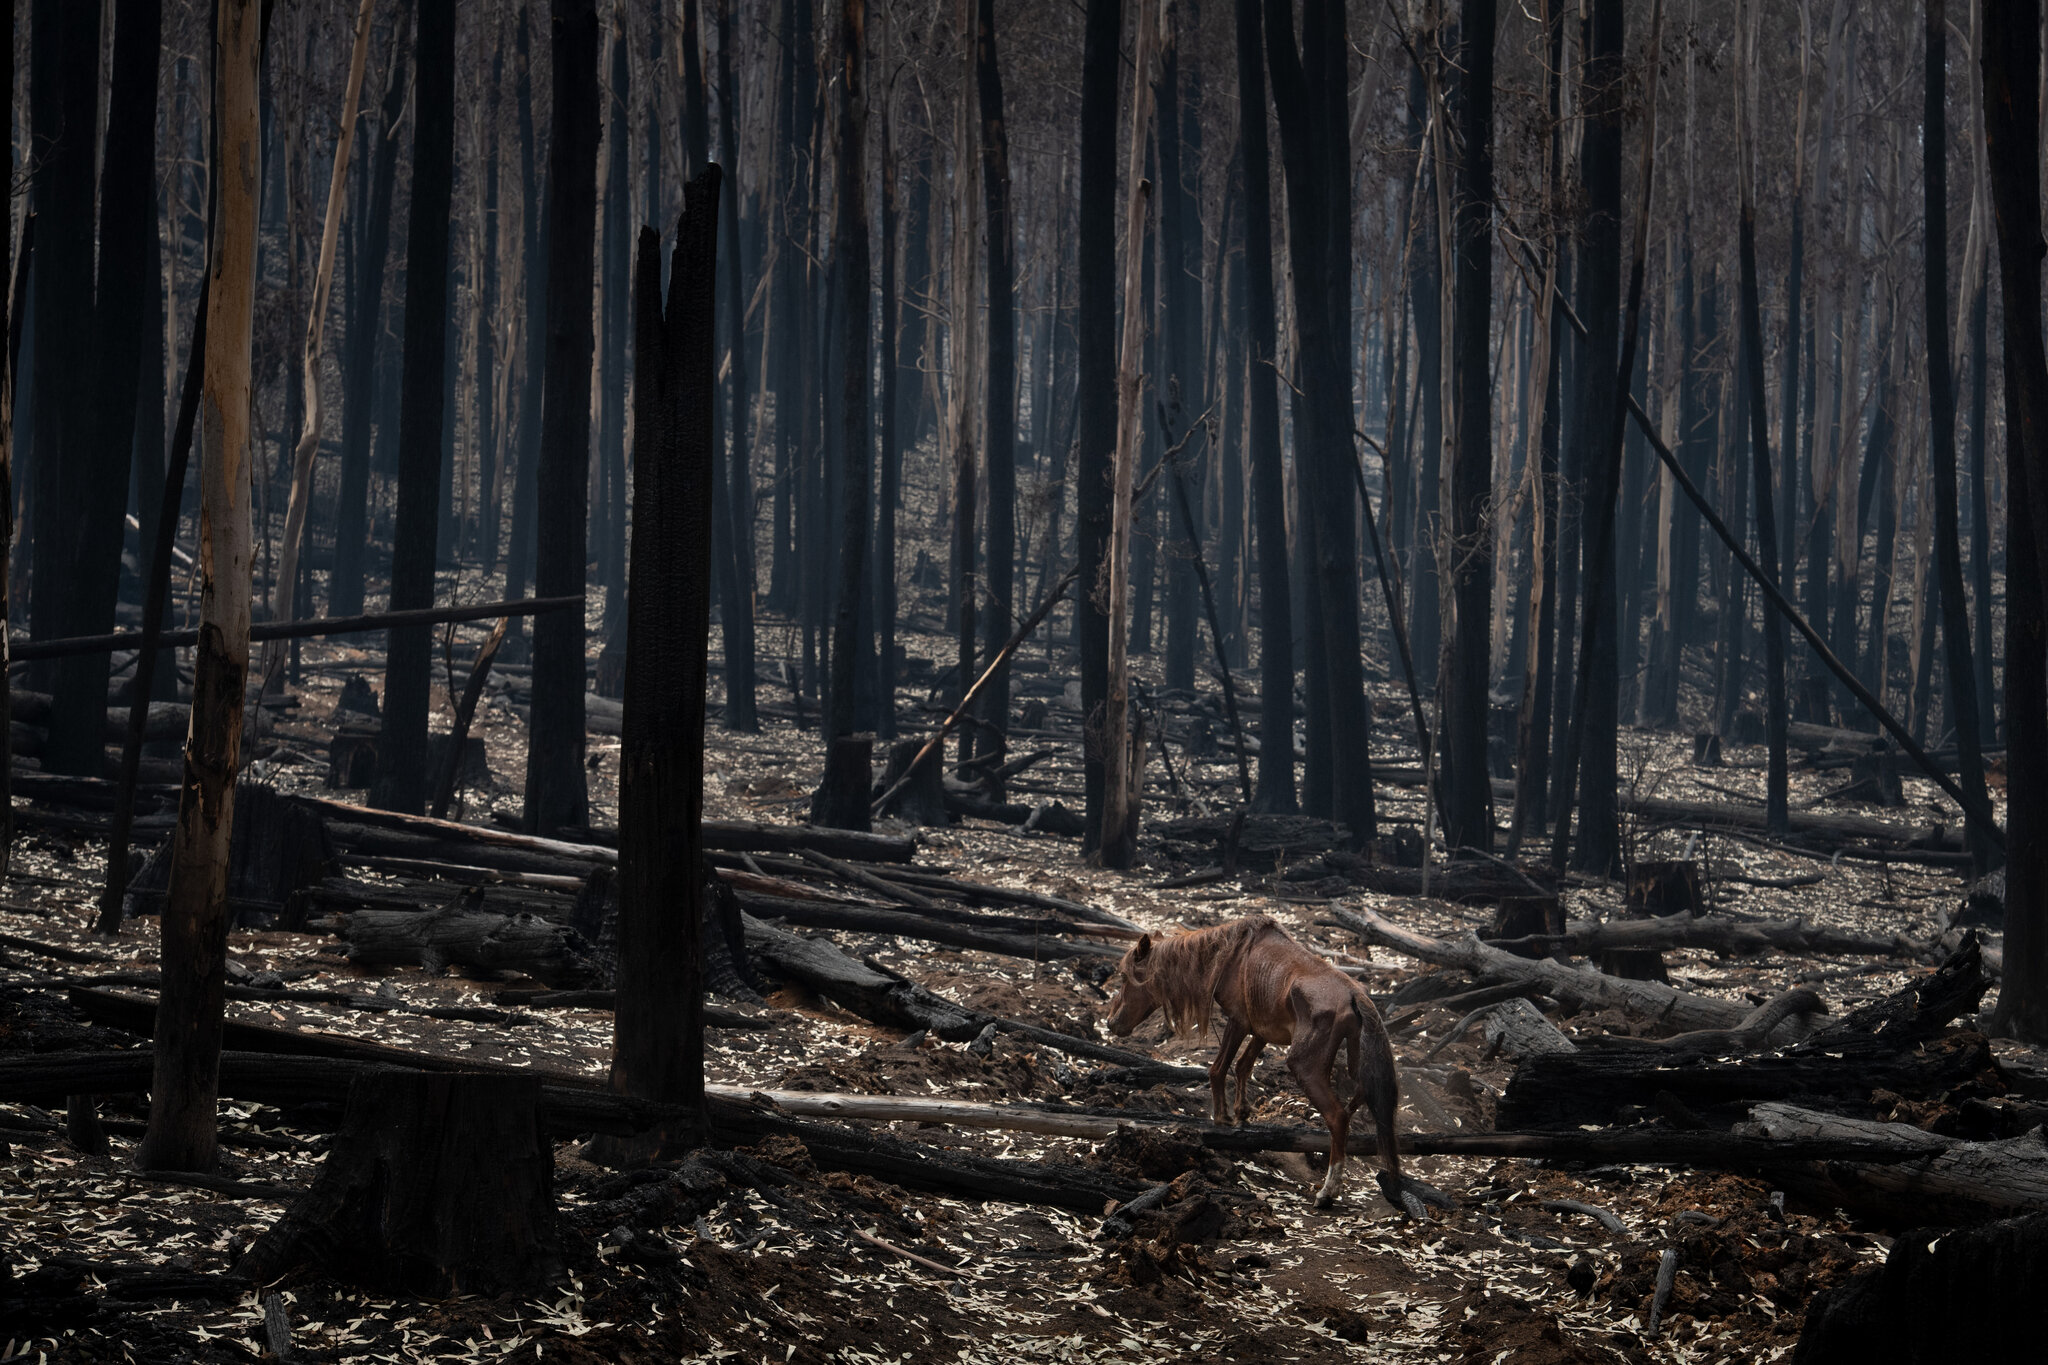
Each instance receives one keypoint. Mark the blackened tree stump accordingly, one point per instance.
(841, 801)
(922, 800)
(437, 1184)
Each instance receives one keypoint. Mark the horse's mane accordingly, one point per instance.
(1183, 970)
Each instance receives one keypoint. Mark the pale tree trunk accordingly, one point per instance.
(182, 1123)
(1119, 768)
(309, 438)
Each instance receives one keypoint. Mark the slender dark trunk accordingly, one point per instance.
(1001, 450)
(850, 645)
(408, 670)
(1309, 87)
(127, 269)
(488, 523)
(1467, 790)
(1095, 398)
(1776, 815)
(889, 493)
(63, 465)
(555, 792)
(1980, 510)
(1181, 385)
(736, 612)
(360, 352)
(1941, 400)
(608, 521)
(1602, 98)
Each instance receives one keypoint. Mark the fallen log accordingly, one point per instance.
(1050, 817)
(849, 915)
(1835, 828)
(1574, 988)
(1735, 938)
(1933, 1179)
(546, 950)
(1519, 1029)
(715, 1016)
(21, 650)
(896, 1002)
(392, 834)
(570, 1105)
(1604, 1085)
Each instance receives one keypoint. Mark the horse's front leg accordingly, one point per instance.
(1244, 1077)
(1233, 1034)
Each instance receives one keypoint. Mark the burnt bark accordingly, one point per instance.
(408, 668)
(555, 792)
(1095, 399)
(1262, 416)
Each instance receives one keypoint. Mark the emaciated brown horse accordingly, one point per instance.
(1272, 990)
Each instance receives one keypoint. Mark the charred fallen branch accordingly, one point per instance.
(929, 928)
(1717, 933)
(1572, 987)
(897, 1002)
(549, 952)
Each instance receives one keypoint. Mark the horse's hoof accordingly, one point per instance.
(1325, 1200)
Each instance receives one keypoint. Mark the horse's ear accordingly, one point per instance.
(1144, 948)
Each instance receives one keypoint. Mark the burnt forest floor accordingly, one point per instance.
(790, 1281)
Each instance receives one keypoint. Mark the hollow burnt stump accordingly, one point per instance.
(437, 1184)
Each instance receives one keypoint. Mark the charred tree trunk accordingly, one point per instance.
(736, 612)
(555, 793)
(1309, 86)
(365, 326)
(608, 518)
(62, 468)
(2012, 66)
(1590, 740)
(183, 1133)
(408, 670)
(1123, 747)
(1095, 398)
(1001, 556)
(1262, 417)
(843, 802)
(1766, 502)
(536, 243)
(127, 269)
(1467, 790)
(889, 492)
(658, 1050)
(1941, 405)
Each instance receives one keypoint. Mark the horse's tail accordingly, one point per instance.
(1377, 1080)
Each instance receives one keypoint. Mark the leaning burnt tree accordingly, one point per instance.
(556, 796)
(658, 1038)
(183, 1130)
(2012, 114)
(401, 783)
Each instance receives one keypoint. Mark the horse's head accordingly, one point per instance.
(1135, 998)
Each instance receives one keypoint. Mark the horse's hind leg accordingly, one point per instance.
(1245, 1063)
(1311, 1060)
(1226, 1051)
